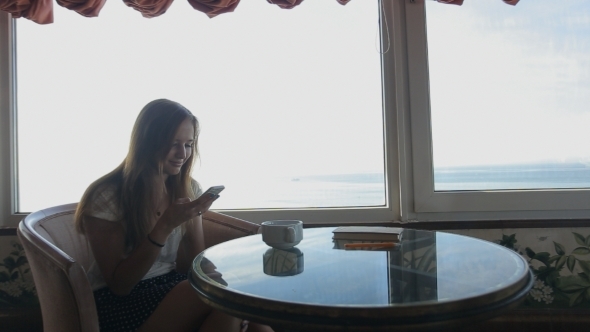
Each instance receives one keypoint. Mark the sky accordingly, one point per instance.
(290, 93)
(278, 93)
(509, 84)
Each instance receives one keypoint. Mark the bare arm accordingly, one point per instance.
(120, 273)
(193, 242)
(107, 239)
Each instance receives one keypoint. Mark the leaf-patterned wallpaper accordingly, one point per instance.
(559, 259)
(16, 280)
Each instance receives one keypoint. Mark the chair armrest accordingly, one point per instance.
(218, 228)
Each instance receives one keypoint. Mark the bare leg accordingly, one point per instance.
(180, 310)
(256, 327)
(219, 321)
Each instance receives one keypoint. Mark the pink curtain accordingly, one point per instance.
(289, 4)
(285, 4)
(15, 7)
(460, 2)
(452, 2)
(41, 11)
(88, 8)
(214, 7)
(149, 8)
(38, 11)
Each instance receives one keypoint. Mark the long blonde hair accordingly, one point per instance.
(133, 180)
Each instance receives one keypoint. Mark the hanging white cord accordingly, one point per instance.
(377, 39)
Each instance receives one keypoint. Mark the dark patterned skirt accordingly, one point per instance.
(129, 312)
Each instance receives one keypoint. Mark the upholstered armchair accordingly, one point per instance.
(59, 257)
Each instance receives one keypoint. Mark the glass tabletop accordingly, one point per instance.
(426, 268)
(429, 280)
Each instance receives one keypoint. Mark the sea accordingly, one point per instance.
(513, 177)
(368, 189)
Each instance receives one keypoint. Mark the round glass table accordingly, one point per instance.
(430, 280)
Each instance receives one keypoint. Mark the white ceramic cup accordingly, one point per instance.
(282, 234)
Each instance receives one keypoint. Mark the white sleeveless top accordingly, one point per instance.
(104, 206)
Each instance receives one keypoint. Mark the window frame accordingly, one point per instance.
(467, 205)
(409, 176)
(8, 169)
(8, 200)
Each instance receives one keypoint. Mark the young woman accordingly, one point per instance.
(143, 223)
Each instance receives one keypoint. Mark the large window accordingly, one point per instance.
(509, 95)
(406, 110)
(289, 101)
(503, 118)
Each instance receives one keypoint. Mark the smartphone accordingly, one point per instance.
(215, 190)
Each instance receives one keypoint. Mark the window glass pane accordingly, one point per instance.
(510, 89)
(289, 100)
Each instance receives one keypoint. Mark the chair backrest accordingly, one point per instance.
(59, 257)
(218, 227)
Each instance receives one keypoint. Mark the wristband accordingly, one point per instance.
(154, 242)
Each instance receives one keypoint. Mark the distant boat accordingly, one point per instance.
(295, 179)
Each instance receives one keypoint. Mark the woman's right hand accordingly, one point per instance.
(184, 209)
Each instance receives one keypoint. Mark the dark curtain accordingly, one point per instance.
(41, 11)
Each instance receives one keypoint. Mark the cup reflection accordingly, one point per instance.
(282, 262)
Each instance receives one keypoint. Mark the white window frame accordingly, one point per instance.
(409, 178)
(427, 204)
(8, 167)
(7, 125)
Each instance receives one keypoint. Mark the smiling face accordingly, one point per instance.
(181, 149)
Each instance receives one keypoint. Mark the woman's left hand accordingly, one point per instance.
(183, 209)
(201, 204)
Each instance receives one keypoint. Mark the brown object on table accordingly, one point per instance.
(368, 233)
(370, 245)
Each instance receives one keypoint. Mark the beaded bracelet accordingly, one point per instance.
(154, 242)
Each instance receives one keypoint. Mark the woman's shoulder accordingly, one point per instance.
(104, 202)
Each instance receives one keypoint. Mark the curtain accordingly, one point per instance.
(460, 2)
(38, 11)
(214, 7)
(285, 4)
(88, 8)
(149, 8)
(41, 11)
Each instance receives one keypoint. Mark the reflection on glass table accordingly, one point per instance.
(430, 280)
(282, 262)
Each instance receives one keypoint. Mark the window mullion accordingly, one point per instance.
(7, 123)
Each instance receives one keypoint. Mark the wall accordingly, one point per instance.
(19, 307)
(559, 258)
